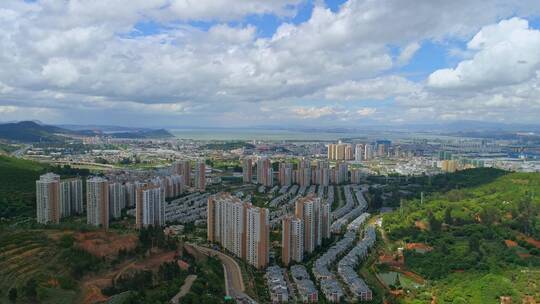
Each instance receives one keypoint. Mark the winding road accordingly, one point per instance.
(234, 283)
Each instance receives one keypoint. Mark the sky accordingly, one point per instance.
(246, 63)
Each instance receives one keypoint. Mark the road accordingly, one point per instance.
(21, 151)
(233, 274)
(184, 289)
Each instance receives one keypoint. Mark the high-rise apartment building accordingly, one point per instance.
(117, 200)
(239, 227)
(349, 152)
(199, 179)
(131, 193)
(359, 152)
(303, 173)
(340, 151)
(150, 207)
(97, 202)
(308, 210)
(247, 170)
(264, 172)
(48, 199)
(356, 176)
(368, 152)
(292, 240)
(343, 172)
(322, 173)
(257, 236)
(306, 230)
(65, 199)
(285, 174)
(76, 192)
(332, 151)
(71, 193)
(183, 167)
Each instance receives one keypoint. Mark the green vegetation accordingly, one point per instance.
(232, 145)
(18, 184)
(7, 148)
(481, 236)
(233, 165)
(37, 265)
(209, 287)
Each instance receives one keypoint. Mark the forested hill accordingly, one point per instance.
(489, 232)
(30, 131)
(18, 184)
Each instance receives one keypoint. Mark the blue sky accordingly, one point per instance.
(284, 62)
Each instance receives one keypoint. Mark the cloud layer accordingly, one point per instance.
(180, 62)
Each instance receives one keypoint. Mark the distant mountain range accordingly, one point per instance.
(31, 131)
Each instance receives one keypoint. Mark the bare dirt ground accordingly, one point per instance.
(530, 240)
(105, 244)
(92, 285)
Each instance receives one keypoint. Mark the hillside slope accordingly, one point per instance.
(17, 186)
(30, 131)
(483, 241)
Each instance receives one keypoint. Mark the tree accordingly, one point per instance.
(489, 215)
(397, 282)
(448, 216)
(434, 223)
(30, 289)
(12, 294)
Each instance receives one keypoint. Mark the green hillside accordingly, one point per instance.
(484, 240)
(17, 186)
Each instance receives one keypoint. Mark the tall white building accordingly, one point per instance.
(117, 200)
(76, 192)
(315, 216)
(65, 199)
(239, 227)
(48, 199)
(257, 237)
(359, 152)
(150, 207)
(97, 202)
(368, 152)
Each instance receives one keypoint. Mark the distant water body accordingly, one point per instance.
(258, 134)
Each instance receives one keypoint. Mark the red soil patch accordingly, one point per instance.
(53, 283)
(92, 286)
(418, 247)
(391, 260)
(530, 240)
(93, 295)
(524, 255)
(421, 225)
(510, 243)
(151, 263)
(105, 244)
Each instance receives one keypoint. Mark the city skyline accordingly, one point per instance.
(292, 62)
